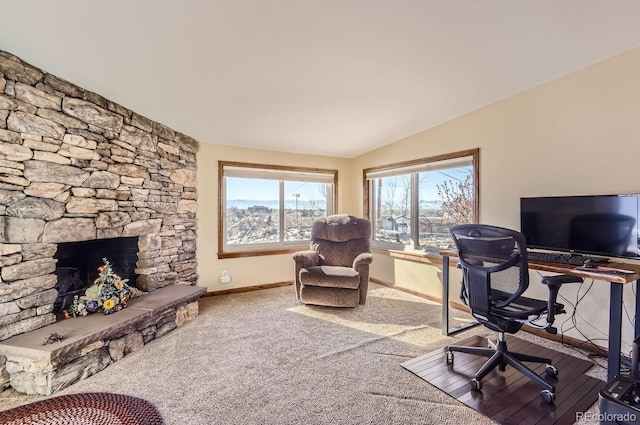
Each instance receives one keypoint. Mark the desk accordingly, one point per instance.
(616, 283)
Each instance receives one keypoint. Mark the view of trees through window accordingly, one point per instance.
(417, 208)
(413, 204)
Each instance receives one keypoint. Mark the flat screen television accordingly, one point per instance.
(605, 225)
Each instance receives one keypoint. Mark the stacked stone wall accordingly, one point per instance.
(75, 166)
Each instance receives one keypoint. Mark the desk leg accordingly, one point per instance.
(615, 330)
(636, 324)
(445, 295)
(445, 303)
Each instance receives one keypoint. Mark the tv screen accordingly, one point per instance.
(603, 225)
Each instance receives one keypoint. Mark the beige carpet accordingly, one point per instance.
(261, 358)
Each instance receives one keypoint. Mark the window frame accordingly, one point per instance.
(274, 248)
(412, 168)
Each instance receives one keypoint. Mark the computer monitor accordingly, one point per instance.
(605, 225)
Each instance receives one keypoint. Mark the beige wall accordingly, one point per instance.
(575, 135)
(250, 271)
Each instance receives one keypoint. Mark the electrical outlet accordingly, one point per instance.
(225, 277)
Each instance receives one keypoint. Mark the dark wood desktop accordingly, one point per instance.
(616, 273)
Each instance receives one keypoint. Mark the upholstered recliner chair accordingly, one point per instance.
(335, 272)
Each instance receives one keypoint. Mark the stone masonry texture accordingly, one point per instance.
(75, 166)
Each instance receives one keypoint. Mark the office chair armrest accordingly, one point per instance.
(558, 280)
(306, 258)
(554, 283)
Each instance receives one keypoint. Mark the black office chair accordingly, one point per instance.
(495, 274)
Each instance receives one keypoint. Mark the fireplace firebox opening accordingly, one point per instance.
(78, 262)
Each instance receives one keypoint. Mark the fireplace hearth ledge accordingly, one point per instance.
(33, 366)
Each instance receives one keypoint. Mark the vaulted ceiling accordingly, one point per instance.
(327, 77)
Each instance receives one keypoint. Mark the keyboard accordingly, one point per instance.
(554, 257)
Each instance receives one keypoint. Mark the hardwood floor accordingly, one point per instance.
(509, 397)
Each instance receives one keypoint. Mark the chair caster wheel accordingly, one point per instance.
(449, 357)
(551, 370)
(547, 396)
(476, 385)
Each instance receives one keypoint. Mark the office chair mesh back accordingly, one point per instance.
(494, 266)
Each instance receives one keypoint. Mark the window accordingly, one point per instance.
(268, 209)
(411, 205)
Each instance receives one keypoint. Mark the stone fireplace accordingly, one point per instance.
(76, 167)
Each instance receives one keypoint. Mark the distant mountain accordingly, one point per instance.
(243, 204)
(431, 204)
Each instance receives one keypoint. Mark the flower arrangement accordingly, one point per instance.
(108, 294)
